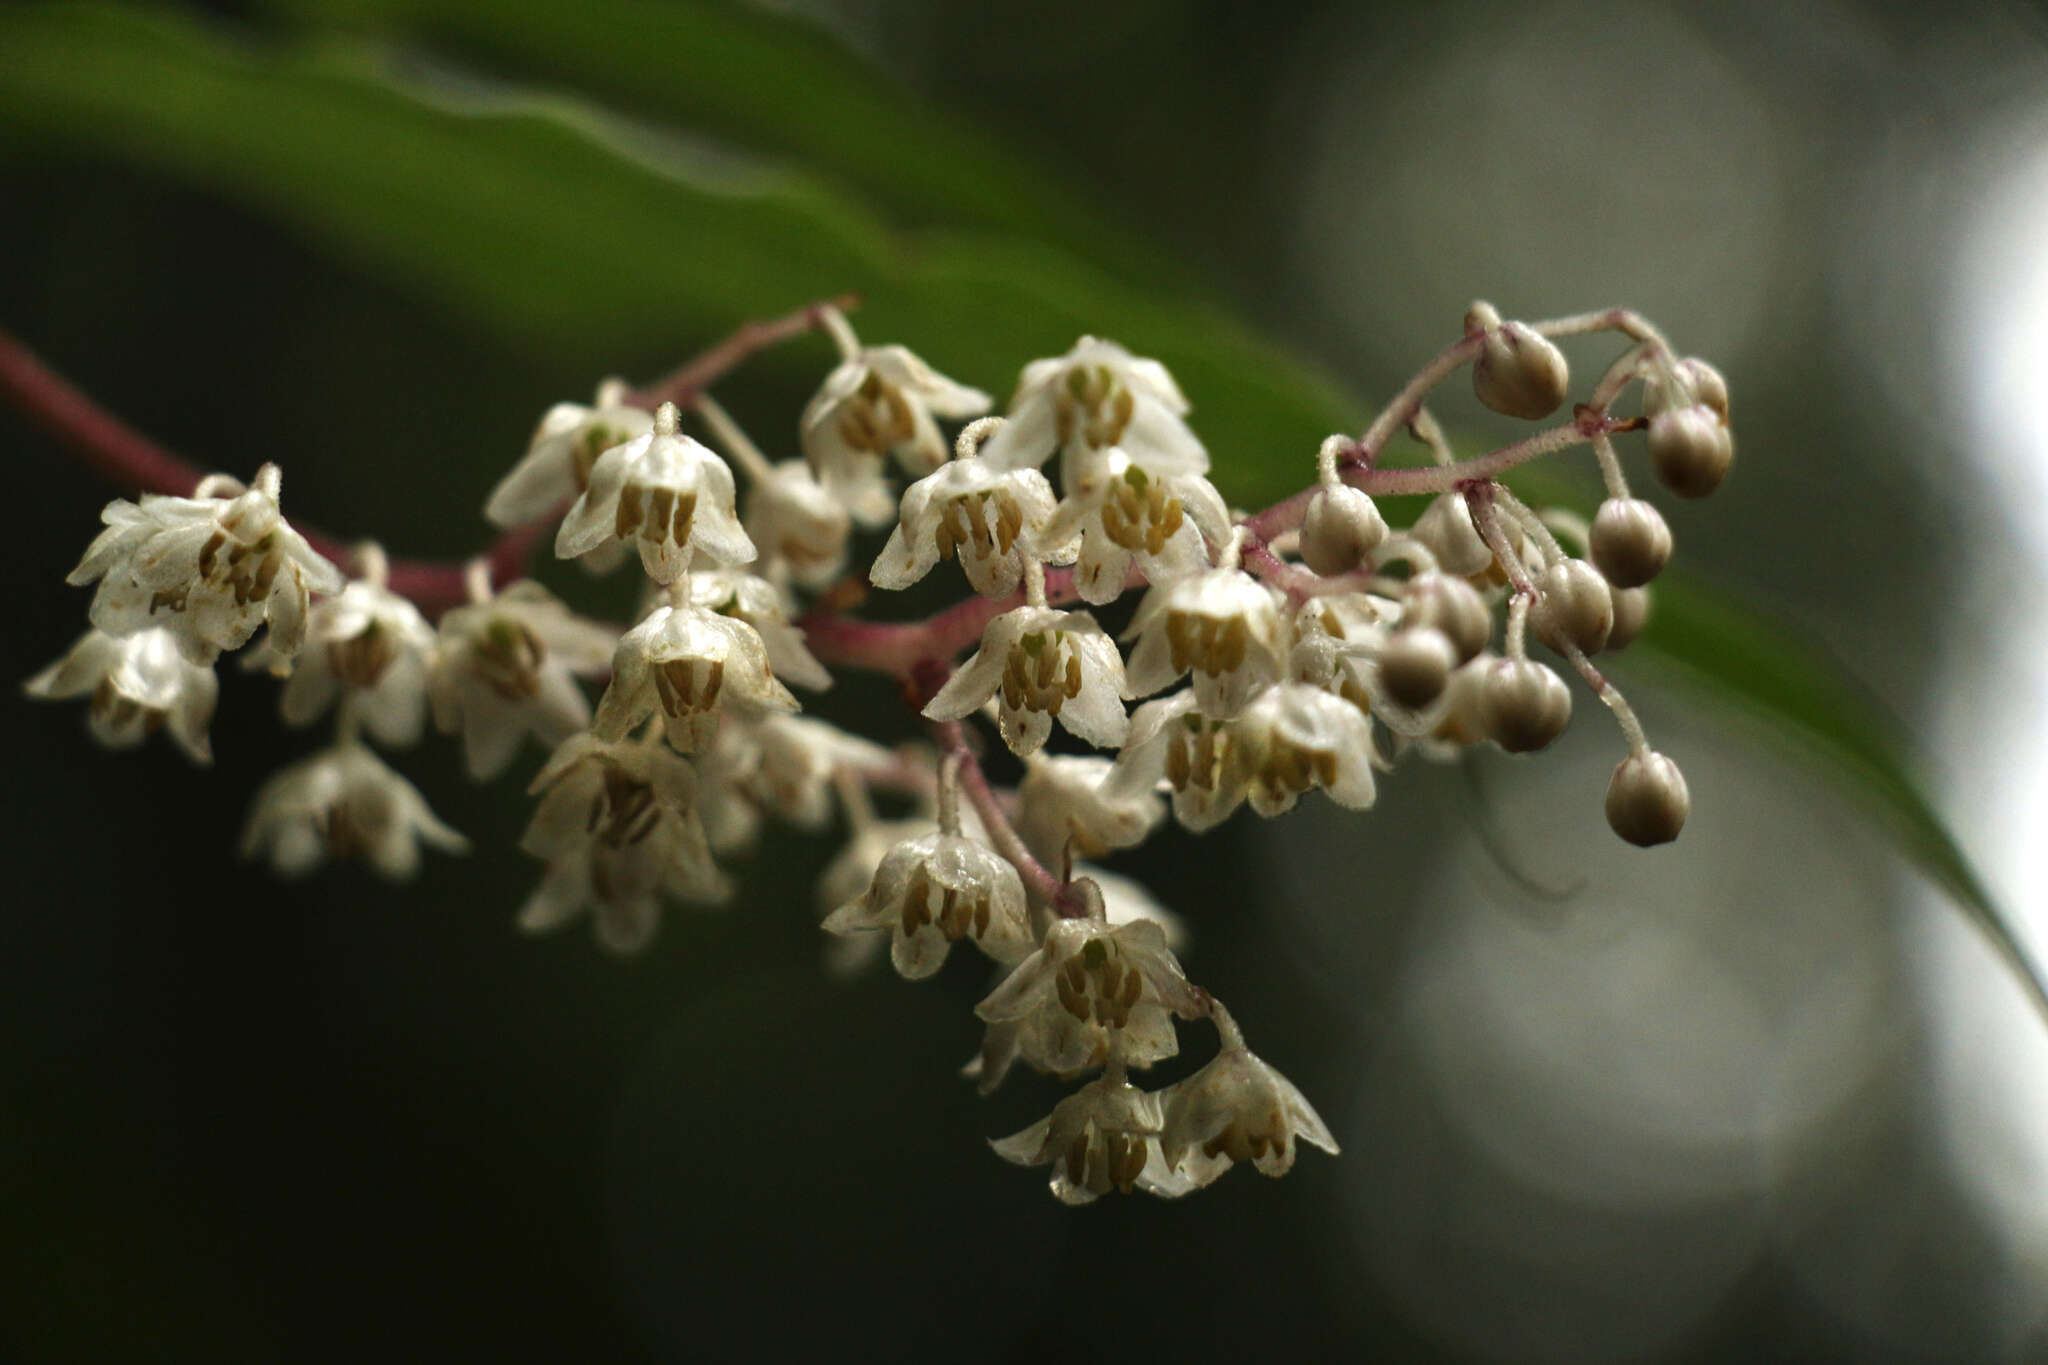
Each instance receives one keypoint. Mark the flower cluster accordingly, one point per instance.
(1311, 646)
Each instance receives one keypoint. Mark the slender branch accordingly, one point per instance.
(126, 458)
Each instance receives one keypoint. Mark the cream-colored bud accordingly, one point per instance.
(1574, 606)
(1523, 705)
(1445, 529)
(1415, 663)
(1631, 614)
(1519, 372)
(1629, 542)
(1646, 799)
(1692, 380)
(1691, 449)
(1341, 530)
(1452, 606)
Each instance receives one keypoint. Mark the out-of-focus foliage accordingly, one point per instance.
(789, 173)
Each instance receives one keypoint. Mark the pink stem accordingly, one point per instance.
(974, 784)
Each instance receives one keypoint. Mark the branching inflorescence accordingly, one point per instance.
(1318, 646)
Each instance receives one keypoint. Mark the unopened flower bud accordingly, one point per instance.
(1517, 371)
(1646, 799)
(1523, 704)
(1692, 380)
(1452, 606)
(1575, 606)
(1631, 614)
(1445, 529)
(1691, 450)
(1629, 542)
(1415, 663)
(1341, 530)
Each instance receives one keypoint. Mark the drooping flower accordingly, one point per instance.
(343, 802)
(934, 890)
(1095, 398)
(1064, 808)
(1103, 1137)
(666, 493)
(794, 761)
(564, 449)
(211, 568)
(879, 402)
(798, 526)
(752, 599)
(688, 664)
(1162, 521)
(1223, 626)
(507, 667)
(372, 644)
(1042, 664)
(1086, 980)
(986, 516)
(137, 684)
(618, 829)
(1236, 1108)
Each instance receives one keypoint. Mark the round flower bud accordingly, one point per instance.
(1517, 371)
(1690, 448)
(1646, 799)
(1523, 705)
(1462, 723)
(1452, 606)
(1630, 542)
(1415, 663)
(1631, 614)
(1574, 606)
(1445, 529)
(1341, 530)
(1692, 380)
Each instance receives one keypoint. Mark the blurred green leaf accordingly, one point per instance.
(550, 219)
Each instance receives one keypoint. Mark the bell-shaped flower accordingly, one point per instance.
(370, 643)
(212, 568)
(986, 516)
(1173, 739)
(1237, 1108)
(507, 668)
(1223, 626)
(878, 402)
(750, 598)
(137, 684)
(798, 526)
(1042, 664)
(668, 494)
(1103, 1137)
(1162, 522)
(618, 828)
(932, 891)
(343, 802)
(794, 762)
(1090, 979)
(1063, 809)
(564, 449)
(688, 665)
(1095, 398)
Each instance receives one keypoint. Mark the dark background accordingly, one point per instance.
(1694, 1110)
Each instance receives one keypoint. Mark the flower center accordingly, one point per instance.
(624, 812)
(1098, 1158)
(689, 686)
(508, 657)
(1096, 404)
(247, 570)
(1097, 983)
(361, 660)
(1207, 644)
(1042, 672)
(656, 513)
(1139, 514)
(955, 915)
(877, 418)
(1197, 753)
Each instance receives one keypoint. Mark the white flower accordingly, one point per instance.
(1173, 739)
(666, 493)
(748, 597)
(689, 664)
(564, 449)
(138, 683)
(1222, 625)
(211, 568)
(1087, 979)
(368, 641)
(1161, 520)
(1042, 664)
(1103, 1137)
(851, 872)
(618, 829)
(794, 760)
(983, 514)
(343, 802)
(506, 668)
(1235, 1109)
(1063, 806)
(1095, 397)
(934, 890)
(797, 523)
(879, 402)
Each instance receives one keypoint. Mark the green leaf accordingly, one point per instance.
(552, 220)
